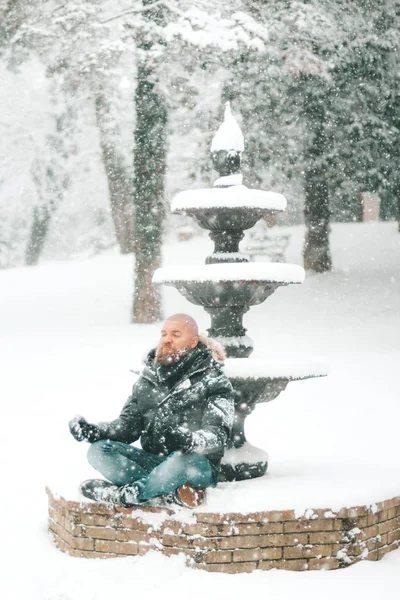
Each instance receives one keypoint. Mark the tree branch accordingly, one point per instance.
(146, 8)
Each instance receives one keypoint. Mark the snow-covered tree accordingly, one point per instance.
(83, 56)
(315, 102)
(163, 33)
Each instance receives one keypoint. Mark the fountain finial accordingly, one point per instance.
(227, 145)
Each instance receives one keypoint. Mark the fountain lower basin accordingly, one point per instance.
(255, 381)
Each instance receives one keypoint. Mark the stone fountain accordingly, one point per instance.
(228, 285)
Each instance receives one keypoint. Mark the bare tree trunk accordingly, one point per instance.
(316, 253)
(146, 301)
(38, 234)
(396, 192)
(120, 185)
(398, 212)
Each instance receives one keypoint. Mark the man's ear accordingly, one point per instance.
(194, 341)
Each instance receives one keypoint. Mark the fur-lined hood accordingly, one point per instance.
(216, 348)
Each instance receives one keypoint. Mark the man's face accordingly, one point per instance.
(177, 338)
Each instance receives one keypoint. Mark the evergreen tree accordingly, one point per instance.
(149, 167)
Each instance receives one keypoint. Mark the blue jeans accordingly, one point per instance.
(154, 475)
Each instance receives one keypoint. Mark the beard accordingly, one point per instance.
(168, 355)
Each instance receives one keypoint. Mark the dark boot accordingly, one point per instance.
(100, 490)
(110, 493)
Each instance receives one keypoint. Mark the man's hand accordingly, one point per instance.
(82, 430)
(179, 438)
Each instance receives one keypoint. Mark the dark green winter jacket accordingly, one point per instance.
(193, 393)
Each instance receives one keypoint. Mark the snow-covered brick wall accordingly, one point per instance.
(229, 542)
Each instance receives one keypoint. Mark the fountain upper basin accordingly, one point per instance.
(235, 196)
(234, 208)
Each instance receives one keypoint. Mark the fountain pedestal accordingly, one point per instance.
(228, 285)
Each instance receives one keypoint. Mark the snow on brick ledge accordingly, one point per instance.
(233, 272)
(229, 542)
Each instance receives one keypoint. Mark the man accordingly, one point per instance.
(181, 408)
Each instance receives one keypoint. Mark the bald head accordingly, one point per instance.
(179, 335)
(185, 321)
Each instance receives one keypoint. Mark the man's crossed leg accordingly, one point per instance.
(139, 476)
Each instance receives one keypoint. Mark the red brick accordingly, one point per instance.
(96, 520)
(382, 515)
(281, 515)
(203, 529)
(222, 518)
(271, 553)
(130, 535)
(146, 509)
(372, 555)
(81, 543)
(233, 568)
(357, 549)
(260, 528)
(325, 564)
(393, 536)
(171, 551)
(257, 554)
(124, 548)
(238, 518)
(101, 533)
(217, 556)
(263, 541)
(97, 508)
(175, 526)
(312, 525)
(307, 552)
(286, 565)
(205, 543)
(127, 522)
(241, 541)
(73, 542)
(372, 544)
(370, 531)
(247, 555)
(179, 541)
(382, 540)
(372, 519)
(232, 529)
(326, 537)
(387, 526)
(393, 502)
(75, 530)
(267, 565)
(73, 507)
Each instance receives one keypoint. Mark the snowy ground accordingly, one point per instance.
(66, 348)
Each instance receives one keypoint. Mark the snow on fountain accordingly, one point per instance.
(228, 285)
